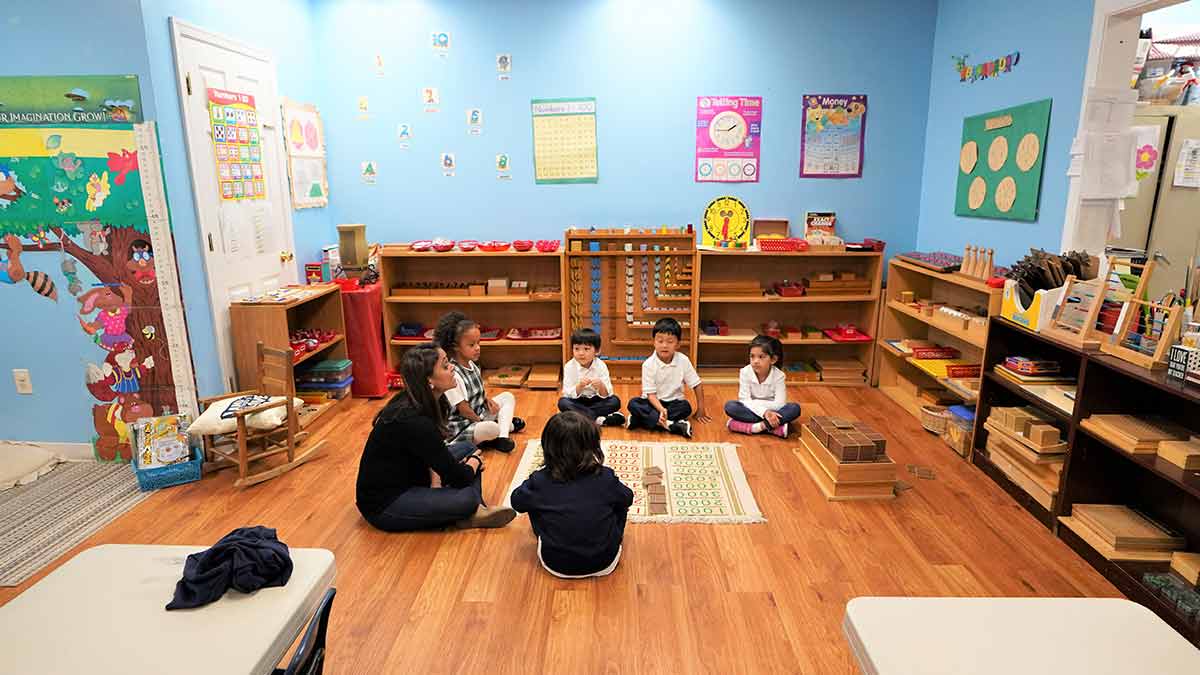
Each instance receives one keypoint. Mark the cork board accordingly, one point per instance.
(1000, 162)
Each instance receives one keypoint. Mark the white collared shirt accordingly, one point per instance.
(760, 397)
(573, 373)
(666, 380)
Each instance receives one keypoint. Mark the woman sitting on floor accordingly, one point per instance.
(395, 489)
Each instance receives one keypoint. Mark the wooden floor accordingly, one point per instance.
(685, 599)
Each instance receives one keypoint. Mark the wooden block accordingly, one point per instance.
(497, 286)
(477, 289)
(653, 471)
(652, 480)
(1124, 528)
(1103, 548)
(908, 297)
(842, 491)
(1186, 565)
(658, 509)
(882, 469)
(1183, 454)
(1043, 434)
(657, 499)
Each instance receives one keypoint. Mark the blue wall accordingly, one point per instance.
(1053, 40)
(645, 62)
(52, 37)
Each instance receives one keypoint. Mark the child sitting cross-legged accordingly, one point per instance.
(663, 404)
(762, 403)
(473, 416)
(576, 505)
(587, 387)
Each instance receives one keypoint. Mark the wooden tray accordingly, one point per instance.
(1124, 528)
(543, 376)
(1102, 547)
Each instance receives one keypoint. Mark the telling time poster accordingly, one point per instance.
(728, 138)
(831, 138)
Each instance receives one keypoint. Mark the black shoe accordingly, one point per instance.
(614, 420)
(681, 428)
(504, 445)
(517, 424)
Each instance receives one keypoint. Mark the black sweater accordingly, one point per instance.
(398, 455)
(580, 522)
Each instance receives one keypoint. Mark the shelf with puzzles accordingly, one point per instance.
(932, 330)
(821, 305)
(514, 295)
(621, 281)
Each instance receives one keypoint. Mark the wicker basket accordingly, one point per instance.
(934, 418)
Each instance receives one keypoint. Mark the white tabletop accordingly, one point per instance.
(103, 612)
(1029, 636)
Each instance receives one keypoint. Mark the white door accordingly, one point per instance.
(247, 243)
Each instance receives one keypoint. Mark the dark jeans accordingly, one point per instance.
(590, 406)
(738, 411)
(642, 414)
(423, 508)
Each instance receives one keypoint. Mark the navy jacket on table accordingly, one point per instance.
(580, 522)
(247, 559)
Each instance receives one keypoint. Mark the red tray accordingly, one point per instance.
(848, 334)
(546, 333)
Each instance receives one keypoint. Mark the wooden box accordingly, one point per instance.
(477, 289)
(771, 227)
(1186, 565)
(519, 288)
(497, 286)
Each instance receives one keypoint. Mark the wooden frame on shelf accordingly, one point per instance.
(1132, 305)
(1076, 291)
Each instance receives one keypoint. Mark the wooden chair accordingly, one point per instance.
(309, 658)
(275, 378)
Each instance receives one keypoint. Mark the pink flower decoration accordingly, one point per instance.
(1146, 157)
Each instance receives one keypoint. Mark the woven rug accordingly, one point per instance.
(705, 482)
(43, 520)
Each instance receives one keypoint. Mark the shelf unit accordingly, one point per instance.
(720, 357)
(399, 265)
(900, 321)
(318, 307)
(1096, 472)
(620, 290)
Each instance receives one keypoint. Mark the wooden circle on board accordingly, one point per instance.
(1027, 151)
(976, 193)
(968, 156)
(997, 153)
(1006, 194)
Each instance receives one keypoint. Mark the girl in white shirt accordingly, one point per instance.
(762, 403)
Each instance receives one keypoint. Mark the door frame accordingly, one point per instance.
(198, 162)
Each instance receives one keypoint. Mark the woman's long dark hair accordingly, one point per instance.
(571, 446)
(449, 331)
(416, 368)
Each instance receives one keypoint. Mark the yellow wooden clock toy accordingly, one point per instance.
(726, 223)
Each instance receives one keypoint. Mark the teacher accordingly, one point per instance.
(395, 490)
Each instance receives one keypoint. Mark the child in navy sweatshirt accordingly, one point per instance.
(576, 505)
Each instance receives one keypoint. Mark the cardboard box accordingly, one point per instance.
(497, 286)
(770, 226)
(519, 288)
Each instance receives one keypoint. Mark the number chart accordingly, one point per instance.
(564, 140)
(235, 135)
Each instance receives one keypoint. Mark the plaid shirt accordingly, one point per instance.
(470, 389)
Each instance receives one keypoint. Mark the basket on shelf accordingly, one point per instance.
(934, 418)
(172, 474)
(777, 244)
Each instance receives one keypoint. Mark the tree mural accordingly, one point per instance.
(79, 189)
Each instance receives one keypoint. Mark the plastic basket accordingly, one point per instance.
(172, 474)
(934, 418)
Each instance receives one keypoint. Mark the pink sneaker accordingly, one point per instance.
(780, 431)
(740, 427)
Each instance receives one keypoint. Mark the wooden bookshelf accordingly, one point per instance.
(900, 321)
(401, 266)
(315, 306)
(719, 357)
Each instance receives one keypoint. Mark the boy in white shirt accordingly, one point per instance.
(587, 387)
(663, 404)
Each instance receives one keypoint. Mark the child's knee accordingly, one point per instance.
(732, 408)
(564, 404)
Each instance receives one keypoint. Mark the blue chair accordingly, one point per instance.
(309, 658)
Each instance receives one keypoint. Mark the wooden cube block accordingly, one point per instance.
(1043, 434)
(908, 297)
(1186, 565)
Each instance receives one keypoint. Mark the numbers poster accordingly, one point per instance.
(728, 133)
(564, 140)
(831, 138)
(236, 139)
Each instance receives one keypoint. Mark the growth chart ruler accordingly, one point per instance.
(158, 218)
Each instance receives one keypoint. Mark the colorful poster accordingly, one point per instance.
(832, 136)
(728, 138)
(369, 172)
(305, 140)
(235, 134)
(564, 140)
(70, 99)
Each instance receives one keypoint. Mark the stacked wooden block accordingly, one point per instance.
(1025, 446)
(847, 459)
(656, 491)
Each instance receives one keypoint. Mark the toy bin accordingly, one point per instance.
(334, 391)
(325, 372)
(172, 474)
(934, 418)
(960, 429)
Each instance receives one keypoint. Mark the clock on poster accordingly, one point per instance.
(726, 223)
(728, 130)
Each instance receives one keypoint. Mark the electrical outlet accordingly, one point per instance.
(22, 380)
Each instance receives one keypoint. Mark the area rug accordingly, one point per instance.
(43, 520)
(705, 482)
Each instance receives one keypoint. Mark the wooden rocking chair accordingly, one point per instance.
(275, 378)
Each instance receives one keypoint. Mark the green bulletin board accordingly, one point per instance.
(1000, 162)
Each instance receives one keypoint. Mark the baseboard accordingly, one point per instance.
(72, 452)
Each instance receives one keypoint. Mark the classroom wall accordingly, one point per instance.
(645, 62)
(1053, 40)
(52, 37)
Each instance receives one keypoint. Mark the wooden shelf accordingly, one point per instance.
(503, 342)
(589, 254)
(778, 299)
(743, 340)
(314, 291)
(432, 255)
(1188, 481)
(948, 277)
(1028, 396)
(321, 349)
(981, 459)
(903, 399)
(467, 299)
(945, 325)
(789, 254)
(306, 420)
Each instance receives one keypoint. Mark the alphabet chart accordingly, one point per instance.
(564, 140)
